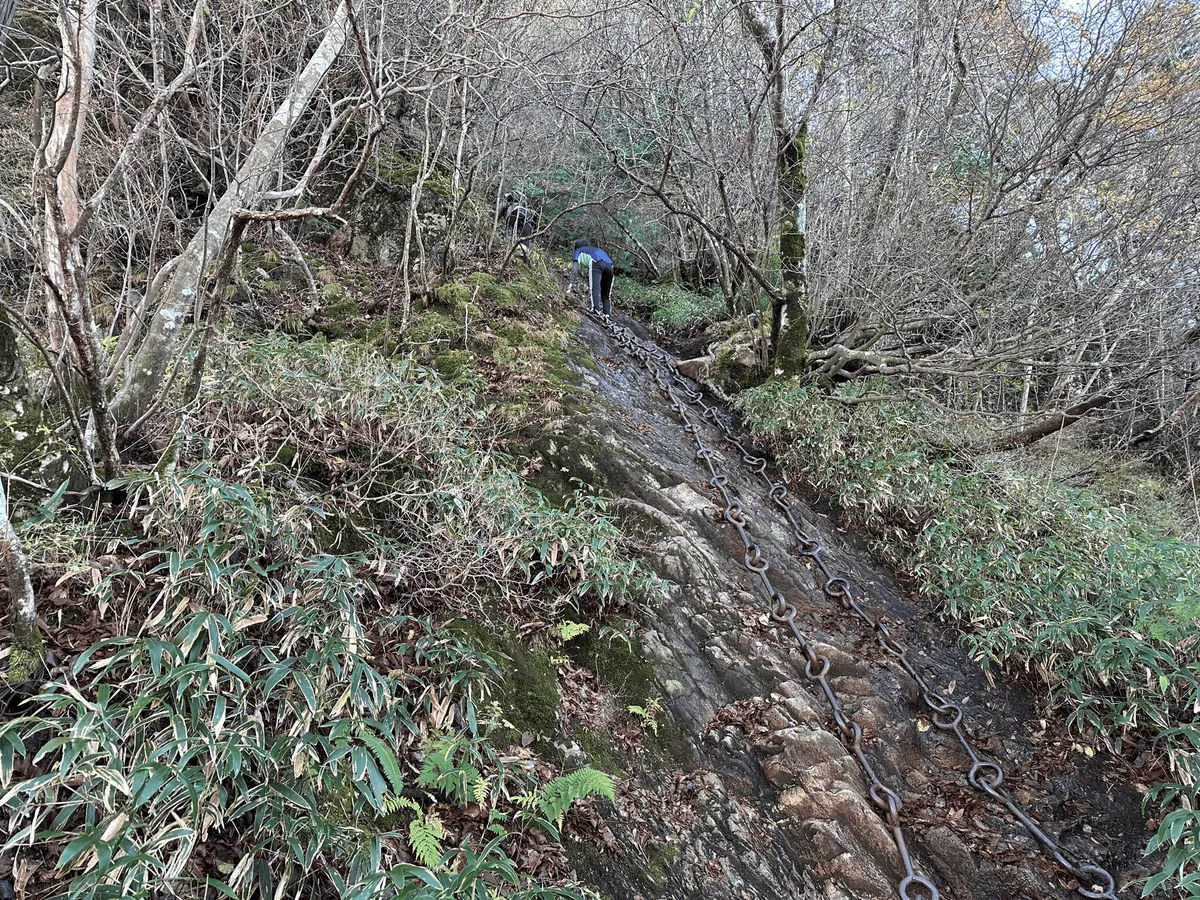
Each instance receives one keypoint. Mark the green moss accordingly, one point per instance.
(599, 751)
(527, 689)
(625, 670)
(27, 434)
(400, 171)
(660, 861)
(285, 456)
(340, 535)
(332, 293)
(338, 312)
(791, 245)
(452, 295)
(493, 293)
(724, 370)
(622, 668)
(433, 327)
(670, 743)
(567, 462)
(27, 658)
(452, 364)
(519, 347)
(535, 285)
(792, 350)
(382, 332)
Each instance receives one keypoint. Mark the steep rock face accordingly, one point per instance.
(773, 804)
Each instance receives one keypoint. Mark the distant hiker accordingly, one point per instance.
(517, 218)
(600, 275)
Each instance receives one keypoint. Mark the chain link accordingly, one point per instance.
(986, 776)
(914, 886)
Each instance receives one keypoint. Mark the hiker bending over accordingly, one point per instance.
(600, 275)
(517, 218)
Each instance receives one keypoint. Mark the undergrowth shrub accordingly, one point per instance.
(670, 307)
(384, 453)
(279, 687)
(1044, 577)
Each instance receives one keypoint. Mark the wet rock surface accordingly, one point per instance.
(773, 805)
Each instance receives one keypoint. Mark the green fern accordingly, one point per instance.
(425, 837)
(393, 804)
(555, 798)
(441, 772)
(571, 630)
(480, 791)
(527, 801)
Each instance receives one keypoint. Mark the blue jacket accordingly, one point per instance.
(595, 253)
(586, 256)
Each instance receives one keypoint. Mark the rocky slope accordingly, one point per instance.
(762, 799)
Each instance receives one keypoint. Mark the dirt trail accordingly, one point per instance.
(771, 804)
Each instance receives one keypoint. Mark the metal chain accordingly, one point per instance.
(816, 667)
(987, 776)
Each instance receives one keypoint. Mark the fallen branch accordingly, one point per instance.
(1054, 423)
(1151, 433)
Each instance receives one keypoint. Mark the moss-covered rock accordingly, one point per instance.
(452, 295)
(433, 327)
(598, 749)
(493, 294)
(27, 659)
(527, 689)
(737, 361)
(623, 668)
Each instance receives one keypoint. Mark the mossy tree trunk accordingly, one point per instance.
(767, 25)
(789, 323)
(70, 317)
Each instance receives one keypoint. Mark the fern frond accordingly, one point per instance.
(527, 801)
(437, 765)
(442, 772)
(425, 838)
(480, 789)
(571, 630)
(556, 797)
(393, 804)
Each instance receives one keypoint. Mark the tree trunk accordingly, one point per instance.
(68, 302)
(179, 300)
(7, 9)
(1054, 423)
(60, 162)
(789, 324)
(12, 371)
(1151, 433)
(790, 313)
(26, 657)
